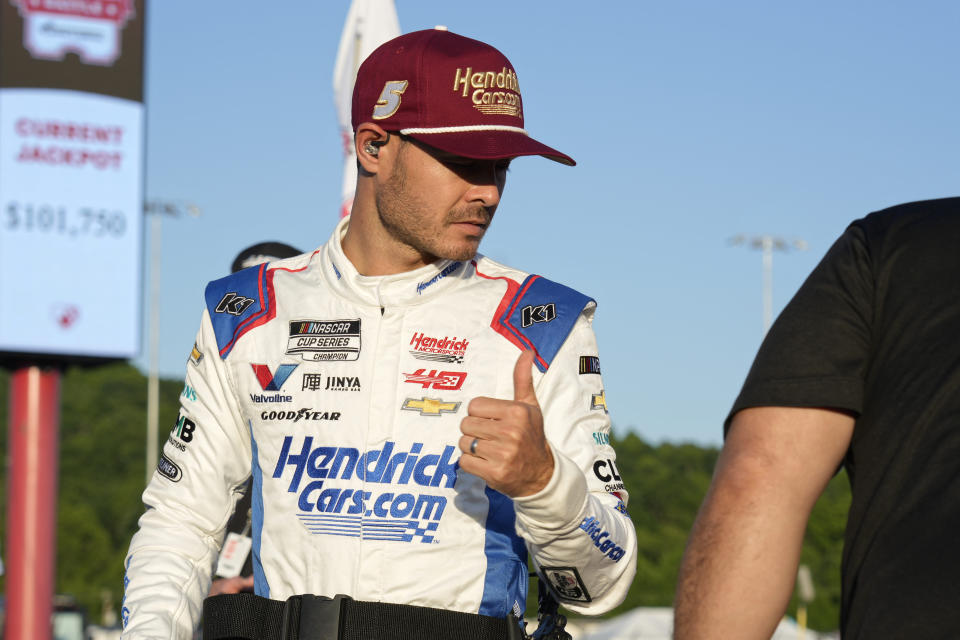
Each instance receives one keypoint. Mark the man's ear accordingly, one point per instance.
(367, 141)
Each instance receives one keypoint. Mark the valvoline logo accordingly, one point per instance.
(372, 515)
(270, 381)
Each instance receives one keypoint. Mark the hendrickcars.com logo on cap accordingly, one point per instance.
(447, 91)
(491, 92)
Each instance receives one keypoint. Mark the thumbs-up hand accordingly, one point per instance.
(503, 440)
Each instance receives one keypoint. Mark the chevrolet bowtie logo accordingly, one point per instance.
(430, 406)
(599, 401)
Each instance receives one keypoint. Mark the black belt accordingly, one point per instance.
(244, 616)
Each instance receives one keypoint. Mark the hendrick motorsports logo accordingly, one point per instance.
(315, 340)
(89, 28)
(370, 515)
(443, 349)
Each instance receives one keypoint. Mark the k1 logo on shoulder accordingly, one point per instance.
(316, 340)
(532, 314)
(233, 304)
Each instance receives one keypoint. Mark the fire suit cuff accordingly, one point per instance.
(556, 508)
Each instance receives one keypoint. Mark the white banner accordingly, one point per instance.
(369, 24)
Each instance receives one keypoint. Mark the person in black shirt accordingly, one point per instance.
(862, 369)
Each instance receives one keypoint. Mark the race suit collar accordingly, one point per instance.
(400, 289)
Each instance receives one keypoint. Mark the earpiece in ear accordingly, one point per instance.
(373, 147)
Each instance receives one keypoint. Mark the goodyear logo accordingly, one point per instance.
(601, 538)
(400, 516)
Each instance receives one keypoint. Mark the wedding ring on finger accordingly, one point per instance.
(473, 447)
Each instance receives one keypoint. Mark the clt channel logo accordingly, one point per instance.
(606, 471)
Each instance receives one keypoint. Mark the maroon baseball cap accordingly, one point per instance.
(449, 92)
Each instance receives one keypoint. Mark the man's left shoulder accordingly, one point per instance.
(535, 312)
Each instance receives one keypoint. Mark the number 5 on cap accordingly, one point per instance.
(389, 100)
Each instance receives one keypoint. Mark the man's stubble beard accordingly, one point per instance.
(399, 210)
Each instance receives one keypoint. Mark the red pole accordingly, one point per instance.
(32, 502)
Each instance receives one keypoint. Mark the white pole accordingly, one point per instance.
(767, 243)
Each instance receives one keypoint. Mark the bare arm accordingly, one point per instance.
(741, 560)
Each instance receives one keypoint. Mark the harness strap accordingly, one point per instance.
(244, 616)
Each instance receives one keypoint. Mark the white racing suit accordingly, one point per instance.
(342, 395)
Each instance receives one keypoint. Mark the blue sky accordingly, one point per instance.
(691, 122)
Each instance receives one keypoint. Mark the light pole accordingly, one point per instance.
(767, 244)
(158, 208)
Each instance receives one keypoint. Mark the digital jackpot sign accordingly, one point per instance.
(71, 177)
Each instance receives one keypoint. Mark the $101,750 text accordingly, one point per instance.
(57, 219)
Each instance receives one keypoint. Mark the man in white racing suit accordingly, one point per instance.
(415, 417)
